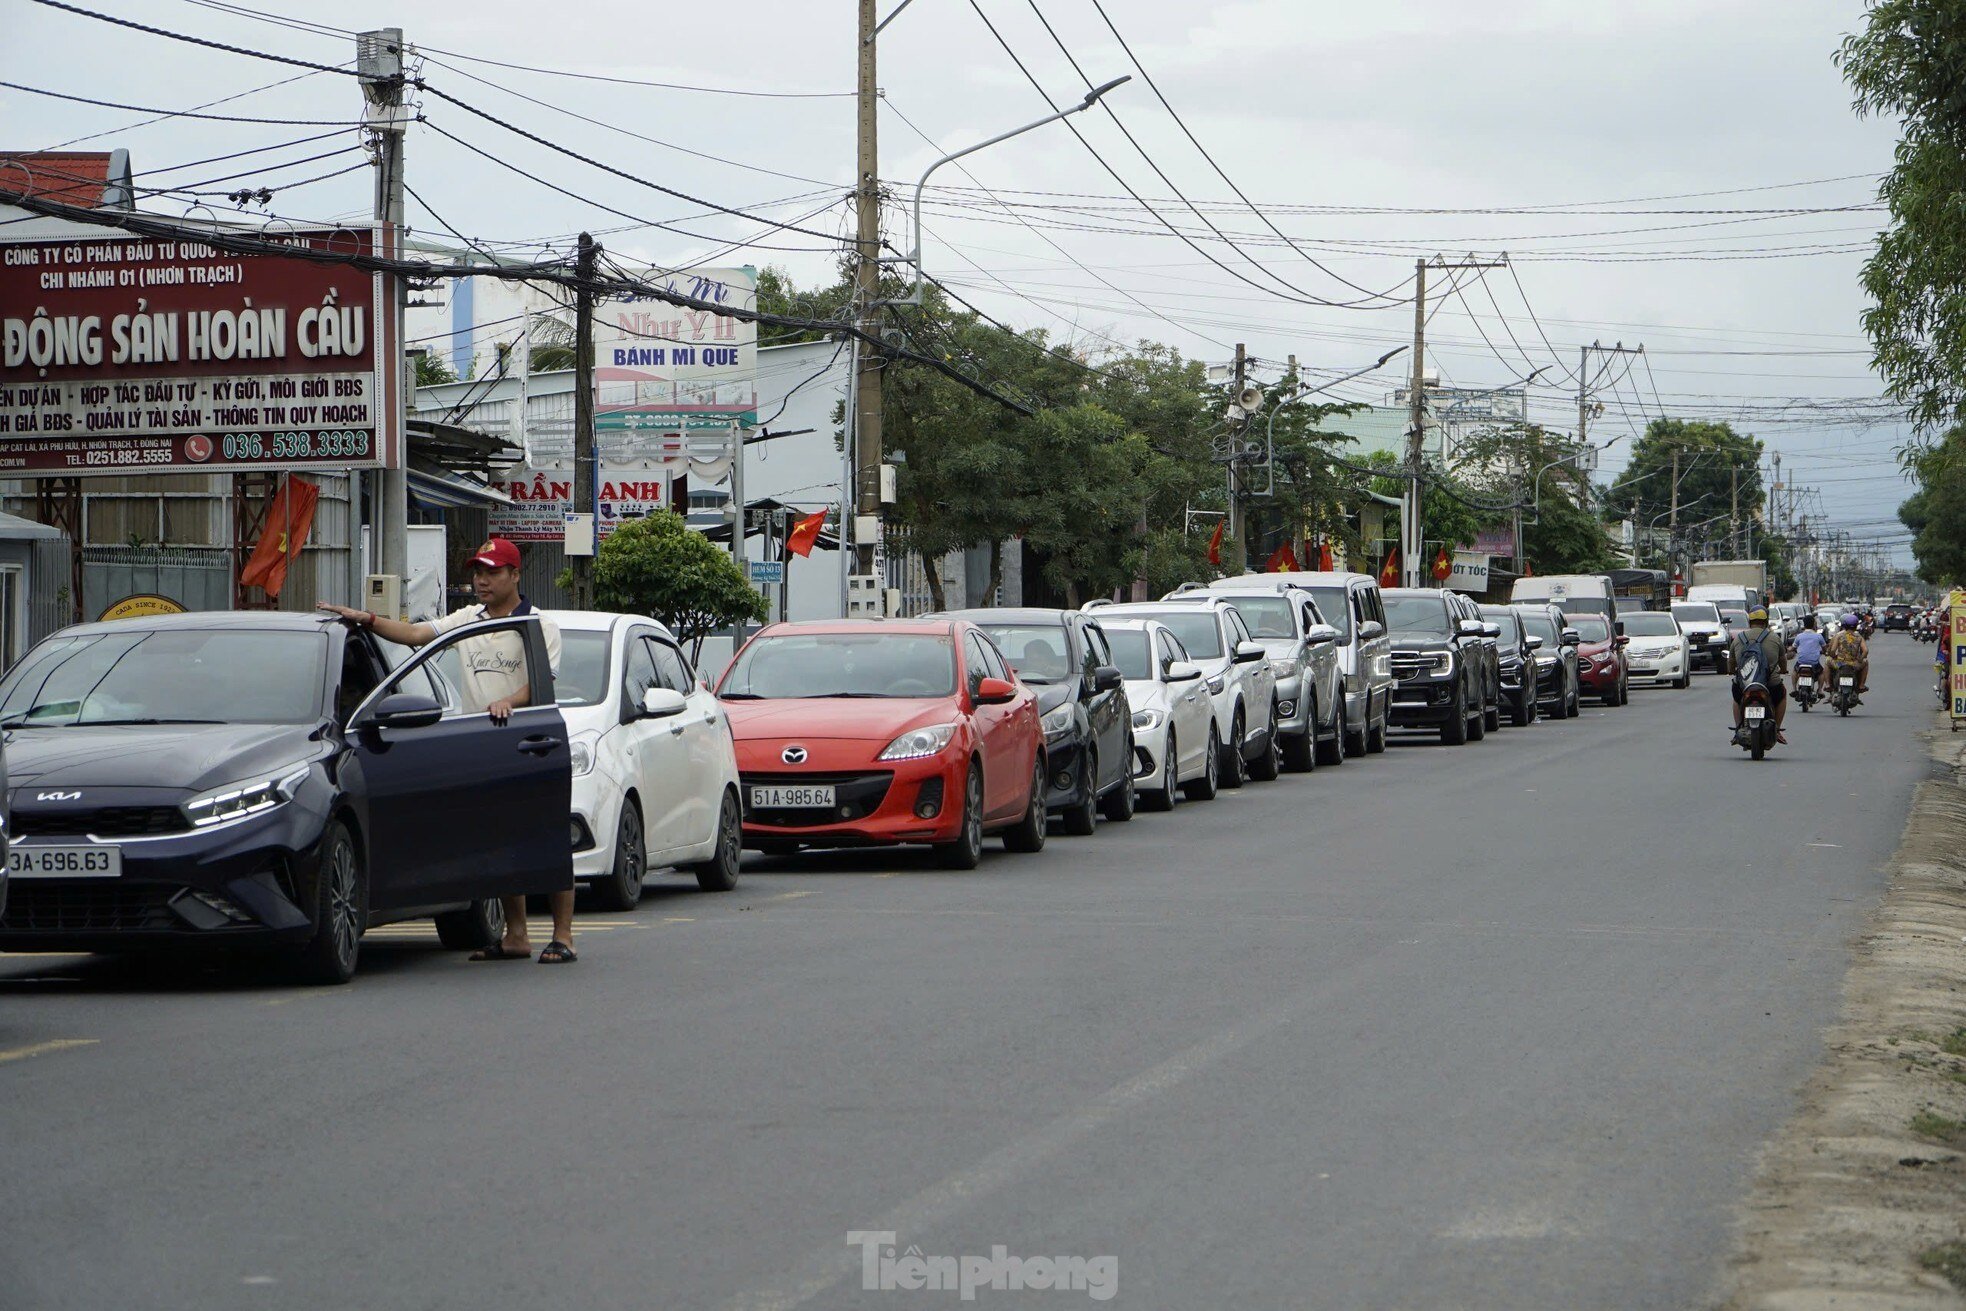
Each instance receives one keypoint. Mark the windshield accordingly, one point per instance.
(1538, 624)
(1336, 608)
(582, 677)
(1036, 651)
(1696, 612)
(843, 665)
(1267, 616)
(171, 676)
(1591, 627)
(1504, 620)
(1738, 618)
(1581, 605)
(1417, 614)
(1132, 653)
(1650, 623)
(1198, 630)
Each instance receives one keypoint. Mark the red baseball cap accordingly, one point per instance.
(497, 553)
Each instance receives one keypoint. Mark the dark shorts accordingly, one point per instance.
(1777, 692)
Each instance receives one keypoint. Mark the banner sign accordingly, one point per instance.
(1470, 572)
(134, 355)
(660, 370)
(1956, 675)
(1494, 541)
(543, 498)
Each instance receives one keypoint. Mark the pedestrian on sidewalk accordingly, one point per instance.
(495, 682)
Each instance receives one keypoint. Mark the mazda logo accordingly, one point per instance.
(793, 755)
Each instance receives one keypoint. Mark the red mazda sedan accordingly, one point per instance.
(1603, 668)
(869, 733)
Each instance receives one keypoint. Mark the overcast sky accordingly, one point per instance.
(1311, 107)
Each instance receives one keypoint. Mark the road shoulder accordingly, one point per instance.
(1856, 1201)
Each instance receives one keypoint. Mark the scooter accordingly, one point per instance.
(1807, 678)
(1757, 731)
(1843, 694)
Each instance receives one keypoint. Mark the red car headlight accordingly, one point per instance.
(919, 742)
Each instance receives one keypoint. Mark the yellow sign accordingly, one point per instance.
(1956, 675)
(141, 606)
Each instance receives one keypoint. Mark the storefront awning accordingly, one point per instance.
(445, 491)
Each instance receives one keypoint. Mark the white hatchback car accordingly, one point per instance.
(654, 769)
(1171, 713)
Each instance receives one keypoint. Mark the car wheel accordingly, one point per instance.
(1204, 788)
(1455, 731)
(1119, 804)
(1357, 744)
(1028, 836)
(1300, 753)
(1333, 751)
(1234, 771)
(1478, 726)
(1685, 680)
(340, 910)
(719, 873)
(1268, 762)
(1522, 712)
(1079, 821)
(1375, 734)
(1170, 774)
(622, 888)
(966, 852)
(474, 928)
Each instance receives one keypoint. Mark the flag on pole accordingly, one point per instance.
(1389, 575)
(1443, 567)
(804, 533)
(1324, 557)
(288, 521)
(1284, 557)
(1215, 542)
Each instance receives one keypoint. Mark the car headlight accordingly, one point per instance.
(1056, 722)
(1443, 662)
(1216, 683)
(1545, 661)
(581, 749)
(237, 800)
(1147, 718)
(1282, 666)
(919, 742)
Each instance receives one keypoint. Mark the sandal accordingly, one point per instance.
(557, 953)
(497, 951)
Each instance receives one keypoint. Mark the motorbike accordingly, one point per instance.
(1807, 680)
(1843, 692)
(1757, 732)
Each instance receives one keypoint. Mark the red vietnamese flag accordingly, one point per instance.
(804, 533)
(1215, 542)
(289, 519)
(1324, 557)
(1284, 557)
(1389, 576)
(1443, 567)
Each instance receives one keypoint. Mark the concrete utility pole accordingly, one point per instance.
(1412, 528)
(861, 500)
(583, 415)
(379, 61)
(1235, 459)
(1734, 508)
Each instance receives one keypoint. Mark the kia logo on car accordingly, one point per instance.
(793, 755)
(58, 796)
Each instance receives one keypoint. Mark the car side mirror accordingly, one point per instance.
(1624, 641)
(1533, 642)
(1320, 635)
(1491, 630)
(1370, 629)
(1182, 671)
(1248, 653)
(1108, 678)
(1470, 627)
(406, 710)
(661, 703)
(1571, 637)
(1621, 628)
(993, 692)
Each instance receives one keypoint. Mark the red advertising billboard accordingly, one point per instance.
(129, 354)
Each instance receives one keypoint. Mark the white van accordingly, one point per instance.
(1574, 594)
(1728, 596)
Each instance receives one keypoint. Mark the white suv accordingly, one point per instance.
(1242, 688)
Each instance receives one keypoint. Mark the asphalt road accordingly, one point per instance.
(1492, 1026)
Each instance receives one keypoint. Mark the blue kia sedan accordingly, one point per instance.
(273, 780)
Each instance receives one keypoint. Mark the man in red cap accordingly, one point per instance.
(494, 681)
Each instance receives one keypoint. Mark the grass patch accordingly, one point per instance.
(1954, 1043)
(1939, 1128)
(1947, 1259)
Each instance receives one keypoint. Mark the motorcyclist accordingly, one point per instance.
(1807, 646)
(1846, 650)
(1761, 647)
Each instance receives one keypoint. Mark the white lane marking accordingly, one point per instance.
(937, 1203)
(1837, 845)
(44, 1048)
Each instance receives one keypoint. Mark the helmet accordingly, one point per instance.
(1757, 616)
(1849, 621)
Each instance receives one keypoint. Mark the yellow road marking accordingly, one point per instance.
(43, 1048)
(791, 896)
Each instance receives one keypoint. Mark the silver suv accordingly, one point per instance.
(1303, 651)
(1350, 603)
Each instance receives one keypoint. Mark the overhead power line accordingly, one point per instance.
(177, 113)
(198, 40)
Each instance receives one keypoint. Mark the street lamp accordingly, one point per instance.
(914, 257)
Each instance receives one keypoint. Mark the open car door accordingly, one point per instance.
(458, 808)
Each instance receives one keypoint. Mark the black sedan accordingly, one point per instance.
(260, 779)
(1088, 726)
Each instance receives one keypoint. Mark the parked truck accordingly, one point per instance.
(1749, 574)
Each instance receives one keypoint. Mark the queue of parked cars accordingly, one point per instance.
(284, 782)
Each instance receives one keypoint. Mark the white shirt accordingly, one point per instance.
(494, 665)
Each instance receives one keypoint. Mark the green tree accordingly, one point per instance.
(1909, 62)
(432, 370)
(1713, 461)
(657, 566)
(1936, 512)
(1451, 512)
(1561, 531)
